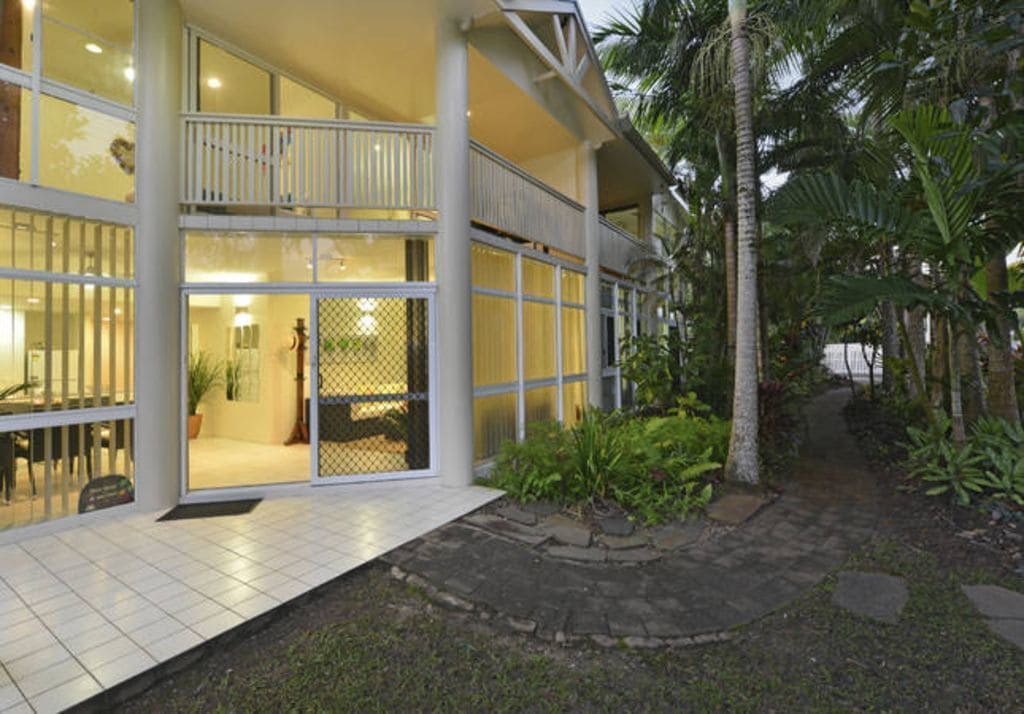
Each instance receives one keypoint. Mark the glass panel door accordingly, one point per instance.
(373, 386)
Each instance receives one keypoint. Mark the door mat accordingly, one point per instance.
(210, 510)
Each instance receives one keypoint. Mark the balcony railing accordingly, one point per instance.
(278, 162)
(507, 198)
(620, 249)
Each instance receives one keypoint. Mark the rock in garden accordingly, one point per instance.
(623, 542)
(542, 509)
(518, 515)
(678, 535)
(875, 595)
(616, 526)
(567, 531)
(995, 601)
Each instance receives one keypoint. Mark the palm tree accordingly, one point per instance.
(742, 463)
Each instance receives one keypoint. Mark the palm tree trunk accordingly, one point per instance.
(975, 404)
(729, 248)
(742, 463)
(890, 346)
(956, 405)
(940, 360)
(1002, 387)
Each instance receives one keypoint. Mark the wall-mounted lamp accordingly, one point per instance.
(243, 318)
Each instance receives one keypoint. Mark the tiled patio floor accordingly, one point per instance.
(86, 608)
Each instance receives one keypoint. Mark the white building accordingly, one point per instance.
(443, 192)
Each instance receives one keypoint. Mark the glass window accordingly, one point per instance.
(84, 151)
(58, 244)
(72, 344)
(574, 344)
(88, 45)
(541, 404)
(494, 421)
(58, 471)
(298, 101)
(538, 279)
(493, 268)
(15, 132)
(572, 286)
(494, 340)
(607, 296)
(248, 258)
(230, 85)
(374, 258)
(538, 341)
(238, 428)
(574, 401)
(16, 34)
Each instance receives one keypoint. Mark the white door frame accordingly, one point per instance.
(356, 291)
(314, 292)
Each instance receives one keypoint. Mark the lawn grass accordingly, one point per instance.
(372, 644)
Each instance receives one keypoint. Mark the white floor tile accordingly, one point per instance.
(168, 647)
(109, 651)
(10, 697)
(213, 626)
(65, 695)
(123, 668)
(40, 681)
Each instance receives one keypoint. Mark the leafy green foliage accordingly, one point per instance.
(205, 373)
(655, 467)
(654, 364)
(990, 465)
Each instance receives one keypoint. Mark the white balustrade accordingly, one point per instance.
(620, 250)
(507, 198)
(274, 161)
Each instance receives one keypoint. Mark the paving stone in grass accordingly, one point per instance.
(623, 542)
(875, 595)
(1012, 630)
(1004, 609)
(995, 601)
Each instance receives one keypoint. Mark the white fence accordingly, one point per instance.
(272, 161)
(835, 361)
(505, 197)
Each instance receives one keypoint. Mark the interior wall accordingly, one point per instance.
(557, 170)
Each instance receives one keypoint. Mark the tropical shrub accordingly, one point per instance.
(656, 467)
(989, 465)
(654, 364)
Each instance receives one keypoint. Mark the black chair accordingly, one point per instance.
(31, 446)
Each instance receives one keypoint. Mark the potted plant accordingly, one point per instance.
(204, 373)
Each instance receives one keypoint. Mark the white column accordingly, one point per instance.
(157, 312)
(454, 290)
(592, 244)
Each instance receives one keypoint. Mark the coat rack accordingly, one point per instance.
(300, 431)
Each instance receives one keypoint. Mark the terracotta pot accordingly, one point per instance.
(195, 423)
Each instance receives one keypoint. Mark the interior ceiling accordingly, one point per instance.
(378, 55)
(506, 120)
(625, 176)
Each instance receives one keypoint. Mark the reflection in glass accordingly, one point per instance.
(494, 421)
(541, 404)
(248, 257)
(230, 85)
(78, 56)
(493, 268)
(374, 259)
(16, 34)
(298, 101)
(574, 401)
(15, 132)
(84, 151)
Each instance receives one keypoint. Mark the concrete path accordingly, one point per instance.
(829, 507)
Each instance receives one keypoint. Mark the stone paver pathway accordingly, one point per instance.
(1004, 610)
(875, 595)
(829, 507)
